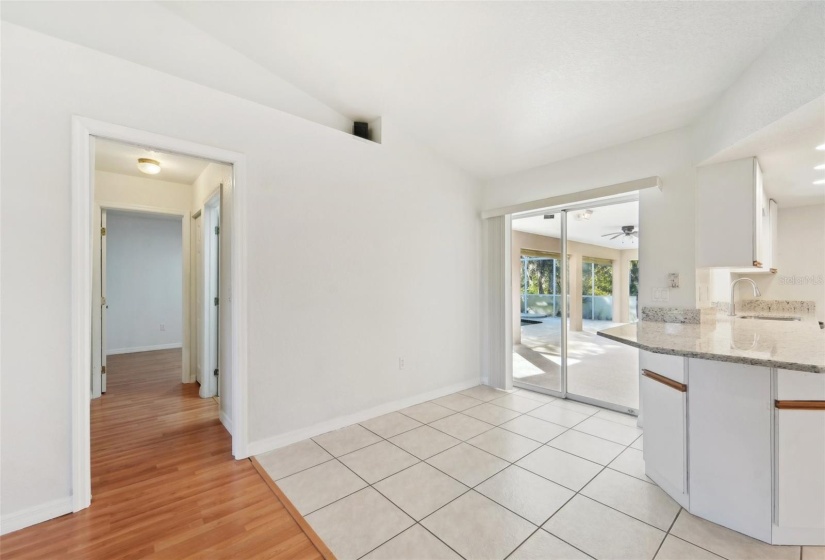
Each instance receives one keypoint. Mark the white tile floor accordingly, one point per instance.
(486, 474)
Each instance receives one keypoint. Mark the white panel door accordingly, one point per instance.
(729, 416)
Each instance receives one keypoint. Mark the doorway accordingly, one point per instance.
(141, 290)
(574, 273)
(87, 347)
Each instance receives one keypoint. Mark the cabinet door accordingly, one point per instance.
(799, 444)
(726, 209)
(730, 420)
(665, 450)
(800, 469)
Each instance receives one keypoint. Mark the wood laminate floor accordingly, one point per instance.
(164, 483)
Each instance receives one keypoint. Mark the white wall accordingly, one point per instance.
(114, 188)
(666, 216)
(143, 282)
(358, 253)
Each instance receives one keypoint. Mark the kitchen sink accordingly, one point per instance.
(769, 318)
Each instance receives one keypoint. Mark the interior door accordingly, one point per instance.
(104, 306)
(199, 318)
(216, 338)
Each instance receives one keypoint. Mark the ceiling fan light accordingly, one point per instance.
(148, 166)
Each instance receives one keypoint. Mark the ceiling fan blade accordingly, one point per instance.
(609, 234)
(615, 236)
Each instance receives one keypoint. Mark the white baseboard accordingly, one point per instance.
(226, 421)
(144, 348)
(268, 444)
(34, 515)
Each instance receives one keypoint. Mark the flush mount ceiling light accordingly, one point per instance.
(821, 147)
(820, 182)
(584, 215)
(820, 166)
(148, 166)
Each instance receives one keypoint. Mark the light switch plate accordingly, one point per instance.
(673, 279)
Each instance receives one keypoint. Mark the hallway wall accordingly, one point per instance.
(144, 276)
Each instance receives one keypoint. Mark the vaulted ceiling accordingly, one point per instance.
(499, 87)
(495, 87)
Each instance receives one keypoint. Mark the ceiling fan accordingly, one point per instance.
(627, 231)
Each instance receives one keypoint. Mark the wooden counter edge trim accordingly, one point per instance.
(800, 405)
(293, 511)
(665, 380)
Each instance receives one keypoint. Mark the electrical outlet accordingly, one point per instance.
(661, 294)
(162, 327)
(400, 363)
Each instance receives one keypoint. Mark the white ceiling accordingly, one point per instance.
(788, 170)
(499, 87)
(117, 157)
(604, 220)
(495, 87)
(787, 154)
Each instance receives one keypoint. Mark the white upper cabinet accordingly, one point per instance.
(734, 223)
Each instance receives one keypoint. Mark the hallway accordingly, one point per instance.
(164, 483)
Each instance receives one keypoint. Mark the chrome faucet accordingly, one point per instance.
(756, 293)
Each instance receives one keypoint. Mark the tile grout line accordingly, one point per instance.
(659, 548)
(510, 463)
(693, 543)
(578, 492)
(473, 488)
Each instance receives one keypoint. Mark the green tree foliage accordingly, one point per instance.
(597, 279)
(539, 276)
(602, 280)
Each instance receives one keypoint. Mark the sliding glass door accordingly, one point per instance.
(537, 349)
(575, 272)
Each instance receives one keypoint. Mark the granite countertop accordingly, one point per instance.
(793, 345)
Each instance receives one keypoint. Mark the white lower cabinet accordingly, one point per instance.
(731, 450)
(799, 442)
(665, 433)
(739, 445)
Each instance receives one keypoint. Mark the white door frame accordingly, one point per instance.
(97, 292)
(83, 129)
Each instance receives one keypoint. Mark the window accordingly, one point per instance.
(540, 283)
(597, 289)
(634, 291)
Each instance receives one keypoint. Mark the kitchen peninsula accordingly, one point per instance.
(734, 420)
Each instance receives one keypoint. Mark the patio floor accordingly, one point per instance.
(598, 368)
